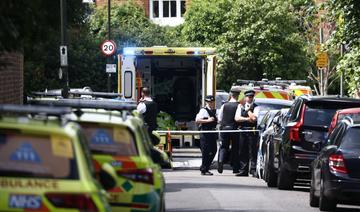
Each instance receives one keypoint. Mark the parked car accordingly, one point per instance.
(305, 132)
(266, 104)
(270, 147)
(117, 137)
(264, 129)
(45, 165)
(335, 175)
(353, 113)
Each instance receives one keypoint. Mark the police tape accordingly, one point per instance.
(197, 132)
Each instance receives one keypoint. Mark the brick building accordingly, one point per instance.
(11, 77)
(162, 12)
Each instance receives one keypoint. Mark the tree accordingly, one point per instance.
(130, 27)
(346, 15)
(204, 21)
(261, 40)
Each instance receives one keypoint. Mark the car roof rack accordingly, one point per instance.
(33, 110)
(88, 103)
(277, 82)
(89, 93)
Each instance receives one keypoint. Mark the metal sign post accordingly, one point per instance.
(63, 49)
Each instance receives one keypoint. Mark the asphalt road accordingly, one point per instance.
(187, 190)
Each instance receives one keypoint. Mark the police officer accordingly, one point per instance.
(208, 121)
(247, 119)
(227, 122)
(149, 109)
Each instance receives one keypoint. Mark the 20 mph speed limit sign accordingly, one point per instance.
(108, 47)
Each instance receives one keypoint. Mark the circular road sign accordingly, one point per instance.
(108, 47)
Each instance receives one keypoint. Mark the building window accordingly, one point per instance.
(183, 8)
(167, 12)
(155, 9)
(169, 8)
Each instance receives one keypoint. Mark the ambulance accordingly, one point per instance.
(179, 78)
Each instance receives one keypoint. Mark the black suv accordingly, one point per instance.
(305, 133)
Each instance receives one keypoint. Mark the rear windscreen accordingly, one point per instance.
(108, 140)
(318, 116)
(37, 156)
(351, 139)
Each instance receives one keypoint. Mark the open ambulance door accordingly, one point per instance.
(127, 77)
(209, 84)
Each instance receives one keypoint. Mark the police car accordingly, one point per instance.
(45, 165)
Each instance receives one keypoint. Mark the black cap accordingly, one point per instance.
(209, 98)
(249, 93)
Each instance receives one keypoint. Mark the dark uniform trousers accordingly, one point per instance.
(248, 151)
(248, 144)
(208, 150)
(208, 142)
(224, 151)
(228, 123)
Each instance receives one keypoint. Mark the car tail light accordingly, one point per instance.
(337, 164)
(82, 202)
(295, 130)
(138, 175)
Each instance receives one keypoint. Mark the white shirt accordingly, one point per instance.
(202, 114)
(141, 107)
(222, 109)
(238, 111)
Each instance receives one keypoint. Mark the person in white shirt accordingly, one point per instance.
(246, 116)
(207, 120)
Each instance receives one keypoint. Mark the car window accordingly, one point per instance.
(37, 156)
(354, 116)
(316, 116)
(220, 98)
(85, 146)
(350, 140)
(295, 111)
(110, 140)
(333, 138)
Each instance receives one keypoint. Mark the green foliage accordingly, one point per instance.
(130, 27)
(165, 121)
(204, 21)
(346, 15)
(254, 38)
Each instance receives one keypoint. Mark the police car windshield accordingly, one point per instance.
(36, 156)
(109, 140)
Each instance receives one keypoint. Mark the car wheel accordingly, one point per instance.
(313, 200)
(325, 203)
(285, 180)
(270, 170)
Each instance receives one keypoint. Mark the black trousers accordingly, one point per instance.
(248, 151)
(208, 150)
(224, 151)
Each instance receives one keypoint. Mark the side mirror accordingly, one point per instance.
(107, 176)
(155, 138)
(160, 158)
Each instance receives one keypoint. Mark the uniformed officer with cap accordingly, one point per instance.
(149, 109)
(247, 119)
(227, 122)
(208, 121)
